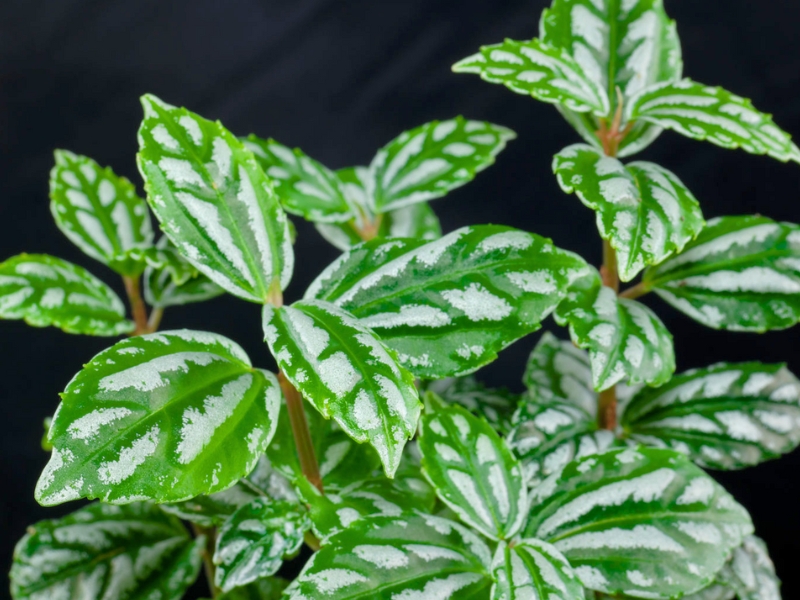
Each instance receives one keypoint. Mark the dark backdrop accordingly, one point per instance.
(339, 78)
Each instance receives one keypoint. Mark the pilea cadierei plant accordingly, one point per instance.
(372, 444)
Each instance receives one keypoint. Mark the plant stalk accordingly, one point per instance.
(301, 433)
(138, 308)
(208, 553)
(633, 292)
(155, 319)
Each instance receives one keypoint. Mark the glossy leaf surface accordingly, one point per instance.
(533, 569)
(269, 588)
(750, 572)
(495, 405)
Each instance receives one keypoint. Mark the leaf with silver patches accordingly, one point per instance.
(268, 588)
(532, 569)
(750, 572)
(169, 280)
(495, 405)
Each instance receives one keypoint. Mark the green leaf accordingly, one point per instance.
(347, 373)
(165, 417)
(473, 472)
(433, 159)
(449, 306)
(45, 290)
(269, 588)
(214, 202)
(643, 210)
(403, 557)
(252, 543)
(713, 592)
(101, 551)
(532, 569)
(161, 291)
(306, 187)
(642, 522)
(727, 416)
(546, 72)
(750, 572)
(625, 339)
(713, 114)
(496, 406)
(741, 273)
(99, 212)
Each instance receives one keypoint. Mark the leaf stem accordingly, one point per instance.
(301, 433)
(208, 554)
(640, 289)
(138, 308)
(155, 319)
(609, 270)
(607, 409)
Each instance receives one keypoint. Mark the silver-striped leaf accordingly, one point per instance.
(532, 570)
(102, 552)
(741, 273)
(214, 202)
(713, 592)
(170, 280)
(164, 256)
(473, 472)
(433, 159)
(727, 416)
(449, 306)
(268, 588)
(750, 572)
(495, 405)
(347, 373)
(711, 113)
(410, 556)
(99, 212)
(165, 417)
(643, 522)
(45, 290)
(626, 341)
(643, 210)
(538, 69)
(254, 540)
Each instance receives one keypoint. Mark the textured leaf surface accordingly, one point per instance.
(713, 592)
(269, 588)
(45, 290)
(639, 522)
(741, 273)
(726, 416)
(643, 210)
(750, 572)
(431, 160)
(347, 373)
(625, 339)
(170, 280)
(447, 307)
(533, 569)
(473, 472)
(102, 551)
(413, 556)
(251, 544)
(99, 212)
(214, 201)
(496, 405)
(165, 416)
(714, 114)
(546, 72)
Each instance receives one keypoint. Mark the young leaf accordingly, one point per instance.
(496, 406)
(99, 212)
(161, 291)
(741, 273)
(473, 472)
(165, 257)
(547, 73)
(625, 339)
(45, 290)
(165, 417)
(268, 588)
(397, 557)
(714, 114)
(449, 306)
(726, 416)
(102, 551)
(253, 542)
(643, 210)
(532, 569)
(642, 522)
(214, 202)
(433, 159)
(750, 572)
(347, 373)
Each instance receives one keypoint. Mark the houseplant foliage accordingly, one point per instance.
(372, 445)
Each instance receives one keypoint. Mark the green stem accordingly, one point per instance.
(208, 554)
(610, 270)
(155, 319)
(138, 308)
(640, 289)
(301, 433)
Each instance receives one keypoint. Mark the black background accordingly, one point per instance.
(339, 78)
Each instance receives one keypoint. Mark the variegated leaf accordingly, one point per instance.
(473, 472)
(726, 416)
(535, 68)
(750, 572)
(642, 522)
(532, 569)
(741, 273)
(253, 541)
(45, 290)
(165, 417)
(268, 588)
(625, 339)
(99, 212)
(643, 210)
(449, 306)
(496, 406)
(410, 556)
(713, 592)
(102, 551)
(165, 257)
(214, 201)
(347, 373)
(431, 160)
(169, 280)
(714, 114)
